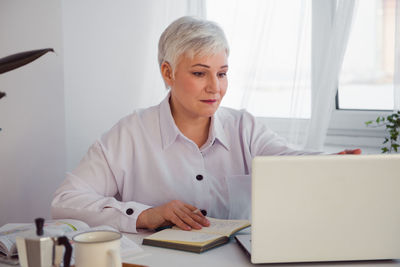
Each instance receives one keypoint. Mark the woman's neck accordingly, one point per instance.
(194, 128)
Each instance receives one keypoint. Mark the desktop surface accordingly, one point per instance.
(229, 255)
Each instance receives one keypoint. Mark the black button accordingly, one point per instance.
(204, 212)
(199, 177)
(129, 211)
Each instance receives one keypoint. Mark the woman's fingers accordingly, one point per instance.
(350, 151)
(175, 219)
(183, 215)
(197, 215)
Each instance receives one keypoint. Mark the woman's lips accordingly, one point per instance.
(209, 101)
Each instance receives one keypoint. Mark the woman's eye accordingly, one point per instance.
(198, 74)
(222, 74)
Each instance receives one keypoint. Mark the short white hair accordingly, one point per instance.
(190, 36)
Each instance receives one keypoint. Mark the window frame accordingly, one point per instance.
(347, 127)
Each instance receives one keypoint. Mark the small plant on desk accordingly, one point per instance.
(392, 124)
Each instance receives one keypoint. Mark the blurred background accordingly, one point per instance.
(314, 71)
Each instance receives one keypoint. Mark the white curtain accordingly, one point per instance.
(269, 64)
(330, 44)
(160, 16)
(396, 78)
(286, 55)
(196, 8)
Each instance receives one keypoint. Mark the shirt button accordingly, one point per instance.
(129, 211)
(204, 212)
(199, 177)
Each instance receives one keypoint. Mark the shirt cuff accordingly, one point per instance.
(130, 212)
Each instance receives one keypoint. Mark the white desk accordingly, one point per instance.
(229, 255)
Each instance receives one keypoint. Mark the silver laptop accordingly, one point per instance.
(324, 208)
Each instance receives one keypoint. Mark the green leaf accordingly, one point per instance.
(20, 59)
(393, 134)
(385, 150)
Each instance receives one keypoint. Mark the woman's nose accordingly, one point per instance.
(213, 85)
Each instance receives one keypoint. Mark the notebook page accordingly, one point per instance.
(222, 227)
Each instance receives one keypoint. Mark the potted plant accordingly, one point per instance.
(20, 59)
(392, 125)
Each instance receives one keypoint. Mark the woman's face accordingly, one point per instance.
(199, 85)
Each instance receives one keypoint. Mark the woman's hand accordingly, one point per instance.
(175, 212)
(350, 151)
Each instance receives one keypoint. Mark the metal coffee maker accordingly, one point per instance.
(43, 251)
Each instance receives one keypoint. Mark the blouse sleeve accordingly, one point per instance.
(265, 142)
(89, 194)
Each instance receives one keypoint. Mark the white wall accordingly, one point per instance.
(32, 142)
(105, 67)
(110, 64)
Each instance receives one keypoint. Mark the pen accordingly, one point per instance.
(197, 211)
(125, 264)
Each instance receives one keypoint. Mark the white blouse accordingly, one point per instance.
(145, 161)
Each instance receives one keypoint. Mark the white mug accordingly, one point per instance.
(97, 248)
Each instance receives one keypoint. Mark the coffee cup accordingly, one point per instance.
(97, 248)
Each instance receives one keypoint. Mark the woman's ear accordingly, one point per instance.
(167, 73)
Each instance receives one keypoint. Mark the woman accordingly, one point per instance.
(178, 161)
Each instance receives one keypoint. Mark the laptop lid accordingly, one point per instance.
(325, 208)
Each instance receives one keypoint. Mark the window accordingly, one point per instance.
(366, 81)
(274, 36)
(281, 52)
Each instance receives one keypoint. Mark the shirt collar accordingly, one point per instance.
(169, 130)
(217, 130)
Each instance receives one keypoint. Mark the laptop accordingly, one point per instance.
(324, 208)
